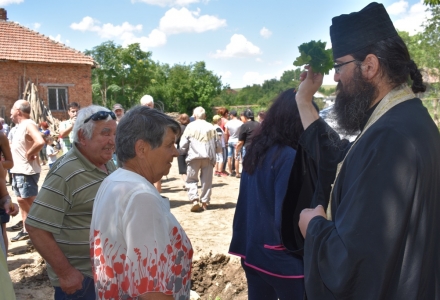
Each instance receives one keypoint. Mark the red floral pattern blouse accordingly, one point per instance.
(137, 245)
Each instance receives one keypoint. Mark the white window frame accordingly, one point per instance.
(57, 88)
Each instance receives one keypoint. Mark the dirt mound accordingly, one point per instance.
(31, 273)
(218, 277)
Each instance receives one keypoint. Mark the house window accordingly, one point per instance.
(57, 98)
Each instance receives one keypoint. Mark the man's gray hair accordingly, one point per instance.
(23, 105)
(2, 121)
(146, 99)
(199, 113)
(87, 128)
(142, 123)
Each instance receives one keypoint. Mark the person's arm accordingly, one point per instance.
(184, 144)
(38, 140)
(8, 163)
(70, 278)
(64, 132)
(5, 200)
(241, 138)
(226, 134)
(308, 87)
(239, 146)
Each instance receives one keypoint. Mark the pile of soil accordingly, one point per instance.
(218, 277)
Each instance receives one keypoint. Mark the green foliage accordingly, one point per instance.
(314, 54)
(121, 74)
(258, 94)
(430, 42)
(126, 74)
(327, 91)
(431, 2)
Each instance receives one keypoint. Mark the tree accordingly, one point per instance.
(205, 84)
(122, 75)
(430, 41)
(431, 2)
(102, 76)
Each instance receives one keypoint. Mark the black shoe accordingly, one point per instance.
(233, 174)
(21, 236)
(16, 227)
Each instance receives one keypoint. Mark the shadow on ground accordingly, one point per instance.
(178, 203)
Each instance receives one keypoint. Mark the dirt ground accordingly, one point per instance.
(216, 275)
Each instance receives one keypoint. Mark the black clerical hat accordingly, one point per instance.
(353, 32)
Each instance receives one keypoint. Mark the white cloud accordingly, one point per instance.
(411, 21)
(250, 78)
(7, 2)
(238, 47)
(164, 3)
(86, 24)
(398, 8)
(107, 30)
(225, 75)
(173, 22)
(58, 39)
(258, 59)
(182, 20)
(155, 39)
(37, 25)
(266, 33)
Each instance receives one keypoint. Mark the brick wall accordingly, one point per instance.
(77, 79)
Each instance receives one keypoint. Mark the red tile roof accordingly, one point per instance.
(23, 44)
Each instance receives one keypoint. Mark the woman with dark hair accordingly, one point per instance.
(267, 180)
(183, 121)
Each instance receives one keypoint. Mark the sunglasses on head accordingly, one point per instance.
(100, 115)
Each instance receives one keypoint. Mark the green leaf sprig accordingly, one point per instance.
(314, 54)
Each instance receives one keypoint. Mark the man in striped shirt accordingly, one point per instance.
(59, 220)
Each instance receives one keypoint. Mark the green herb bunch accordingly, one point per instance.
(314, 54)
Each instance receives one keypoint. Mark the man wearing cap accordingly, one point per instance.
(119, 111)
(59, 220)
(379, 238)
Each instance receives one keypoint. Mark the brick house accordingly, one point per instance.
(61, 74)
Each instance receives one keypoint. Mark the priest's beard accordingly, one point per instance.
(352, 102)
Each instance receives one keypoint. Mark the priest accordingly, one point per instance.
(379, 237)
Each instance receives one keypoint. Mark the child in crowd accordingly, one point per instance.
(51, 152)
(216, 121)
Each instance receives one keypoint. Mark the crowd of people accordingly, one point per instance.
(317, 216)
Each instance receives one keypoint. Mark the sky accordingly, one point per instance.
(243, 41)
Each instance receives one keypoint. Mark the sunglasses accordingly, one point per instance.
(100, 115)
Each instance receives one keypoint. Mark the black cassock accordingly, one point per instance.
(384, 238)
